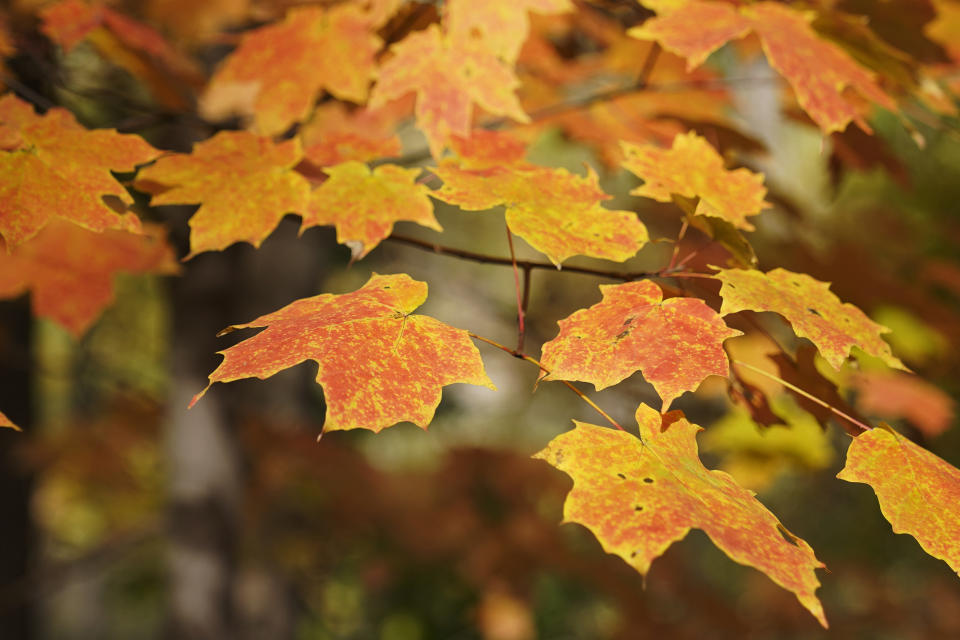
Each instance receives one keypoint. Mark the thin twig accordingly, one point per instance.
(522, 356)
(676, 245)
(805, 394)
(521, 329)
(625, 276)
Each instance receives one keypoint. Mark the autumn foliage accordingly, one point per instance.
(365, 114)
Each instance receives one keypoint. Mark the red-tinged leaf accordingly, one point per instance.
(675, 343)
(638, 498)
(497, 26)
(69, 270)
(334, 134)
(68, 22)
(891, 394)
(814, 312)
(448, 79)
(378, 364)
(51, 167)
(693, 169)
(246, 184)
(279, 70)
(918, 491)
(819, 71)
(5, 422)
(693, 30)
(558, 213)
(364, 204)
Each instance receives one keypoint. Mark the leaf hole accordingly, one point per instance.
(621, 476)
(814, 312)
(648, 480)
(638, 507)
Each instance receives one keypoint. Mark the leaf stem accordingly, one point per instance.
(805, 394)
(516, 353)
(521, 328)
(676, 245)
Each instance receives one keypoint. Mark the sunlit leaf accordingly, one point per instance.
(364, 204)
(245, 184)
(497, 26)
(378, 364)
(51, 167)
(813, 311)
(918, 491)
(639, 497)
(675, 343)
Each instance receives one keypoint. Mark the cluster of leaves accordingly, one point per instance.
(321, 97)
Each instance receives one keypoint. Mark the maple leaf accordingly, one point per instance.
(497, 26)
(278, 70)
(51, 167)
(810, 308)
(891, 394)
(918, 491)
(130, 44)
(693, 169)
(558, 213)
(245, 182)
(364, 204)
(448, 79)
(69, 270)
(639, 497)
(334, 134)
(378, 364)
(819, 71)
(675, 343)
(5, 422)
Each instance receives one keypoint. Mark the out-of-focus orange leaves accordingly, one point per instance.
(5, 422)
(245, 184)
(51, 167)
(639, 497)
(558, 213)
(812, 310)
(498, 27)
(378, 364)
(918, 491)
(69, 270)
(334, 134)
(675, 343)
(448, 78)
(829, 84)
(278, 71)
(945, 29)
(891, 395)
(364, 204)
(129, 44)
(693, 169)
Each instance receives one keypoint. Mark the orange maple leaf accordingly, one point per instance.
(364, 204)
(497, 26)
(693, 169)
(5, 422)
(448, 79)
(557, 212)
(245, 182)
(69, 270)
(675, 343)
(278, 71)
(51, 167)
(814, 312)
(378, 364)
(819, 71)
(639, 497)
(918, 491)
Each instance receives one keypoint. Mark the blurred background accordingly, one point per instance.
(124, 515)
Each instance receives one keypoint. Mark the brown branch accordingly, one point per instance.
(527, 265)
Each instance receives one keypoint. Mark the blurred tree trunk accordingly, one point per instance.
(205, 461)
(17, 535)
